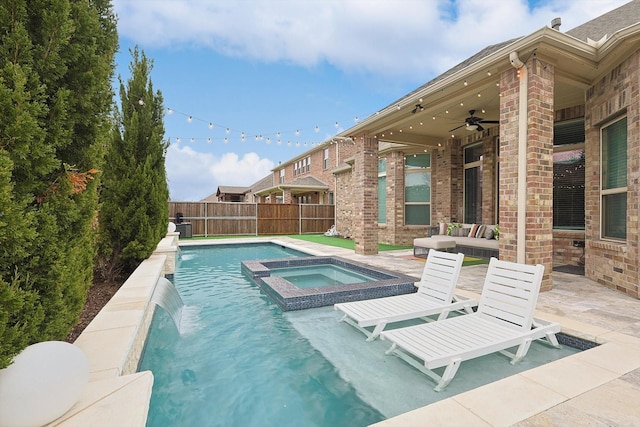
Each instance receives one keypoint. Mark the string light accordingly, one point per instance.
(243, 135)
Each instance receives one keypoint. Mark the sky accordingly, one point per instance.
(251, 83)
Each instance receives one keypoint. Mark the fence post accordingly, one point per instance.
(256, 217)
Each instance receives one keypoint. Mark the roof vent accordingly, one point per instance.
(555, 23)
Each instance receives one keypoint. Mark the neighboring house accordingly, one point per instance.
(309, 177)
(251, 195)
(227, 193)
(540, 134)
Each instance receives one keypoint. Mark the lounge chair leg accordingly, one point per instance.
(448, 374)
(444, 314)
(376, 331)
(523, 348)
(552, 339)
(391, 349)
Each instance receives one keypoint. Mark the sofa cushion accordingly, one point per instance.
(480, 231)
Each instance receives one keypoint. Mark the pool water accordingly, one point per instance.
(320, 276)
(239, 360)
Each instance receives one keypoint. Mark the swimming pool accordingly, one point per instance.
(247, 366)
(239, 360)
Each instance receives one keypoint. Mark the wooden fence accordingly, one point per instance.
(260, 219)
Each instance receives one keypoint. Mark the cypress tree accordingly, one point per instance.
(55, 102)
(134, 208)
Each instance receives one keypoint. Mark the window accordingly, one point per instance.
(568, 175)
(281, 176)
(308, 163)
(325, 159)
(417, 189)
(473, 184)
(382, 191)
(614, 180)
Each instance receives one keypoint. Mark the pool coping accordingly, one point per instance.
(116, 396)
(290, 297)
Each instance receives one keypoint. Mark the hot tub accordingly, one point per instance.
(300, 283)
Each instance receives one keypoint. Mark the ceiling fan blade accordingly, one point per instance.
(461, 126)
(489, 121)
(479, 128)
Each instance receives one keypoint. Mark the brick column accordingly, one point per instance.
(447, 182)
(539, 167)
(286, 197)
(365, 195)
(395, 195)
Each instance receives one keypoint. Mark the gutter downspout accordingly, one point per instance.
(522, 157)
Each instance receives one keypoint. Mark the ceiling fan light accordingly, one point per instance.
(471, 127)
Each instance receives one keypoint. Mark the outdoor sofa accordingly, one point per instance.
(474, 240)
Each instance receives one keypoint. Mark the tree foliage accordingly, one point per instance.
(134, 208)
(55, 103)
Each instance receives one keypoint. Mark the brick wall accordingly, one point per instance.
(613, 264)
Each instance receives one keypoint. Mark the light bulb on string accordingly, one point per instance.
(279, 142)
(178, 139)
(317, 129)
(169, 111)
(278, 134)
(209, 140)
(226, 139)
(193, 140)
(210, 125)
(189, 119)
(228, 130)
(297, 132)
(289, 143)
(268, 141)
(356, 119)
(337, 125)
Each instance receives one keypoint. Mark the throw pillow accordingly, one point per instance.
(472, 232)
(480, 231)
(443, 228)
(488, 233)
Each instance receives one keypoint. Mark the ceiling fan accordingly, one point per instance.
(472, 122)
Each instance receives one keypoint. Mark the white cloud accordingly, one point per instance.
(194, 175)
(384, 37)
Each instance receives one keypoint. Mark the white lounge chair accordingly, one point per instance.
(435, 295)
(504, 319)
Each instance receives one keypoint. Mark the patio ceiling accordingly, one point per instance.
(428, 116)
